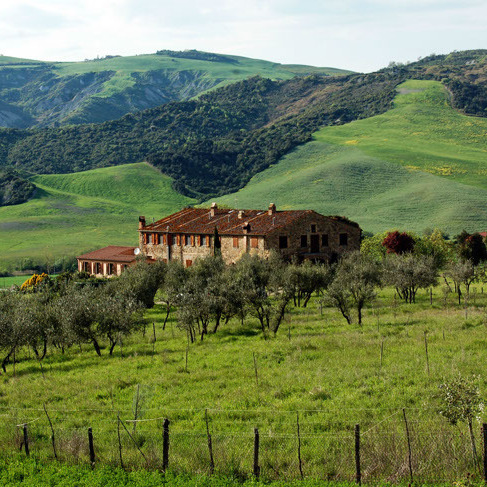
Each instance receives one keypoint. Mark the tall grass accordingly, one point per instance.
(328, 372)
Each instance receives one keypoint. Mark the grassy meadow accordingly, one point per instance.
(73, 213)
(419, 165)
(318, 370)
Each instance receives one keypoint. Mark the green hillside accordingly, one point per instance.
(73, 213)
(419, 165)
(34, 93)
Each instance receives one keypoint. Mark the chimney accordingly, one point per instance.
(240, 214)
(213, 209)
(141, 222)
(272, 209)
(246, 227)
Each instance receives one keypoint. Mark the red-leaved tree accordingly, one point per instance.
(398, 243)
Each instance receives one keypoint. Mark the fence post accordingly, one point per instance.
(91, 447)
(299, 447)
(210, 446)
(410, 460)
(357, 454)
(484, 437)
(26, 441)
(165, 445)
(256, 453)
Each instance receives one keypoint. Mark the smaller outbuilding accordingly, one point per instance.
(108, 261)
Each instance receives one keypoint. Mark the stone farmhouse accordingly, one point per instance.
(190, 234)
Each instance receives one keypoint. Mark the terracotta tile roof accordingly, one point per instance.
(111, 253)
(200, 221)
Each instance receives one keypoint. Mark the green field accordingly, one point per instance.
(7, 282)
(74, 213)
(419, 165)
(330, 373)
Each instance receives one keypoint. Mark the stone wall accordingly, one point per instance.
(322, 226)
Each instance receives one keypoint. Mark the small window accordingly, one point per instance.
(149, 238)
(187, 240)
(343, 239)
(324, 240)
(304, 241)
(189, 263)
(235, 242)
(110, 269)
(98, 268)
(283, 242)
(254, 242)
(86, 266)
(313, 228)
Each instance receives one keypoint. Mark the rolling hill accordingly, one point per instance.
(419, 165)
(36, 93)
(73, 213)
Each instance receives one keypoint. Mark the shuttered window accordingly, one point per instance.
(254, 242)
(235, 242)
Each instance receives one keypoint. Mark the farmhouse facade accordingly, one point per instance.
(191, 233)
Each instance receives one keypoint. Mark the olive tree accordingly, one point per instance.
(266, 288)
(357, 277)
(408, 273)
(10, 332)
(308, 278)
(461, 402)
(463, 273)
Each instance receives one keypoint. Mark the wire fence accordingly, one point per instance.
(386, 445)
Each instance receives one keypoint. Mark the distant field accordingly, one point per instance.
(6, 282)
(222, 72)
(73, 213)
(419, 165)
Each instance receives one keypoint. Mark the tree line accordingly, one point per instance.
(74, 309)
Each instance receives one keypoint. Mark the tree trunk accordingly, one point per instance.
(217, 323)
(472, 439)
(44, 348)
(166, 318)
(97, 347)
(6, 360)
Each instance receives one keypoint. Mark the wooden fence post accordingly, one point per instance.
(357, 455)
(91, 447)
(426, 351)
(165, 445)
(484, 437)
(410, 460)
(256, 453)
(26, 441)
(299, 447)
(210, 445)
